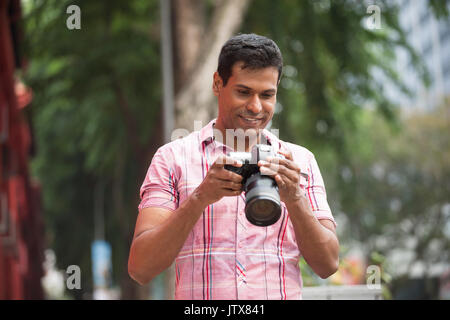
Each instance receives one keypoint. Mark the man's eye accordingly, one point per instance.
(242, 92)
(267, 95)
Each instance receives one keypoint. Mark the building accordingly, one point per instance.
(21, 227)
(430, 37)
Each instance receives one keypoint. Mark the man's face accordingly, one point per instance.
(248, 100)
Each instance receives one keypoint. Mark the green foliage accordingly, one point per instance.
(330, 102)
(395, 196)
(82, 81)
(97, 96)
(379, 260)
(331, 56)
(440, 8)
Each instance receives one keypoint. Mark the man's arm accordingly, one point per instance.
(316, 239)
(160, 233)
(159, 236)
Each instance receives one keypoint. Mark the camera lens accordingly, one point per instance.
(262, 208)
(262, 203)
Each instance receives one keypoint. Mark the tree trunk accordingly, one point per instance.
(189, 28)
(196, 54)
(195, 100)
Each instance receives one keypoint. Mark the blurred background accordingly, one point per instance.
(90, 89)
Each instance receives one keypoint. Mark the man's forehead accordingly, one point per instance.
(240, 71)
(241, 66)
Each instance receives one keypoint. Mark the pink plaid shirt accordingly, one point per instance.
(225, 256)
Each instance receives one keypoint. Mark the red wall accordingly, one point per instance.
(21, 227)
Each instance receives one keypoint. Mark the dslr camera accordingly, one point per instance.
(262, 199)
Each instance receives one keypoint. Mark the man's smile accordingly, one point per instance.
(251, 120)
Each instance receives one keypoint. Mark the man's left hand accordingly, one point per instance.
(286, 174)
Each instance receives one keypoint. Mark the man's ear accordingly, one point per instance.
(217, 83)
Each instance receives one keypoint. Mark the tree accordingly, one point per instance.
(97, 100)
(326, 92)
(399, 185)
(97, 110)
(96, 116)
(197, 63)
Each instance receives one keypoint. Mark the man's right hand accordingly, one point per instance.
(161, 232)
(219, 182)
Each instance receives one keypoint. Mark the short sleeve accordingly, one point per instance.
(159, 186)
(316, 193)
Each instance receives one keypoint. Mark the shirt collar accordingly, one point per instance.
(207, 135)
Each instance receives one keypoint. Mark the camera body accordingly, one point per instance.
(262, 199)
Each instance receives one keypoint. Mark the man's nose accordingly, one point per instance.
(254, 104)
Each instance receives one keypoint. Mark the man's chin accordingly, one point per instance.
(248, 130)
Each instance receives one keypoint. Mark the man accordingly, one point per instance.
(192, 208)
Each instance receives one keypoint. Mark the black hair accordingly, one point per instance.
(255, 51)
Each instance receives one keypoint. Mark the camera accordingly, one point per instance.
(262, 199)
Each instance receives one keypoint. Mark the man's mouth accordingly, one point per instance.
(251, 120)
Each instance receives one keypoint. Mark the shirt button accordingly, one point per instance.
(241, 244)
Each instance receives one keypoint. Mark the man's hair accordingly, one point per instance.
(256, 52)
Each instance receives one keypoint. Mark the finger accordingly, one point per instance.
(286, 153)
(227, 175)
(231, 185)
(281, 184)
(267, 171)
(271, 168)
(285, 162)
(220, 162)
(231, 193)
